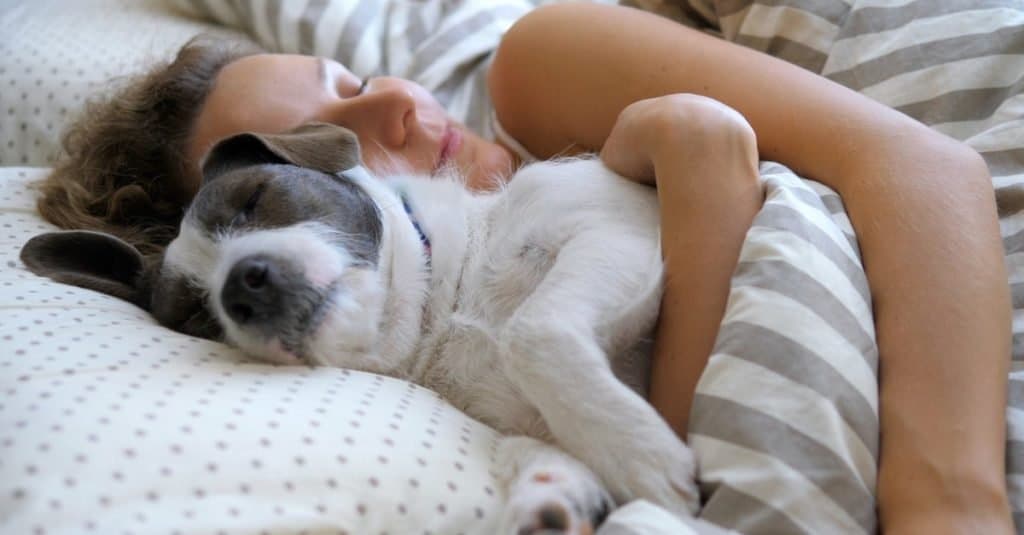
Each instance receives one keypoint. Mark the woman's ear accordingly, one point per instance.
(324, 147)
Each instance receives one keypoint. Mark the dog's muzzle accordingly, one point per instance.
(270, 295)
(252, 292)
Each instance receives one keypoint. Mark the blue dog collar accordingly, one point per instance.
(358, 173)
(416, 224)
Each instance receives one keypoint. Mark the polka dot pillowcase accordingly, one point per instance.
(55, 55)
(110, 423)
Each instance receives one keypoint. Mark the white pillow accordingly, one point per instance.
(110, 423)
(55, 55)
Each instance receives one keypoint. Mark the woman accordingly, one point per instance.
(921, 203)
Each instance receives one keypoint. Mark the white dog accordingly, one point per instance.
(531, 309)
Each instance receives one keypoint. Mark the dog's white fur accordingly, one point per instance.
(531, 295)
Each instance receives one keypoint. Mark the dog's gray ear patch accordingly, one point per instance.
(324, 147)
(87, 259)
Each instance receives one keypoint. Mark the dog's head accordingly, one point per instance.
(278, 253)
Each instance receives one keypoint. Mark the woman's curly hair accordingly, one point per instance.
(124, 169)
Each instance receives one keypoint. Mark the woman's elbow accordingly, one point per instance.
(979, 171)
(971, 170)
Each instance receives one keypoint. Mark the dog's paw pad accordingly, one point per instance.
(543, 477)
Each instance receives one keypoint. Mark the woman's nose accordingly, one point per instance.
(384, 113)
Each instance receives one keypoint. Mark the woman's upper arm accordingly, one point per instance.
(564, 72)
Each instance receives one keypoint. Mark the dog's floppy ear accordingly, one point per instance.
(88, 259)
(321, 146)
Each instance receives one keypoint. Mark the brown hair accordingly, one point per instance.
(124, 170)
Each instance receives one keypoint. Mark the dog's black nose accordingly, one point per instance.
(252, 290)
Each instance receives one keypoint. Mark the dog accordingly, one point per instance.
(531, 308)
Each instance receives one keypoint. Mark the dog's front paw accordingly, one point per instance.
(665, 476)
(555, 497)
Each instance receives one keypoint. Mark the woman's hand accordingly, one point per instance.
(702, 155)
(681, 126)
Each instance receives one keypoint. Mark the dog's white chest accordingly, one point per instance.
(493, 252)
(470, 304)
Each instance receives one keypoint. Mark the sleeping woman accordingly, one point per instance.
(694, 120)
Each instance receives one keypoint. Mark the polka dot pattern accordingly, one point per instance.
(51, 63)
(110, 423)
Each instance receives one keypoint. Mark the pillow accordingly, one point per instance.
(55, 55)
(784, 424)
(110, 423)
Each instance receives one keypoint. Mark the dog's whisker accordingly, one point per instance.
(394, 164)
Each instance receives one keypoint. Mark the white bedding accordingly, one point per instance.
(784, 425)
(112, 424)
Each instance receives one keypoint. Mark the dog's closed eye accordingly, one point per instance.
(248, 210)
(254, 199)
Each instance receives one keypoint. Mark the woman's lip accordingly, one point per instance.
(451, 142)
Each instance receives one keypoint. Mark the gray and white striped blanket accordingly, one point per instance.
(785, 421)
(955, 65)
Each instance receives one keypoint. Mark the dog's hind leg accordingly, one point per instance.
(547, 491)
(550, 349)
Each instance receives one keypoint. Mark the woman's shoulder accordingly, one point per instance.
(563, 72)
(520, 82)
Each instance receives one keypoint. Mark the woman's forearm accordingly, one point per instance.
(703, 158)
(926, 222)
(921, 205)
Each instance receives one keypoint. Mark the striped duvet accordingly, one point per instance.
(785, 421)
(955, 65)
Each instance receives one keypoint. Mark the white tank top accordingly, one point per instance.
(501, 136)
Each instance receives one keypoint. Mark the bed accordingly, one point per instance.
(110, 423)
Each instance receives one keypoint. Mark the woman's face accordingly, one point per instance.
(401, 127)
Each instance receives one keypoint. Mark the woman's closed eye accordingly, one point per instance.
(348, 89)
